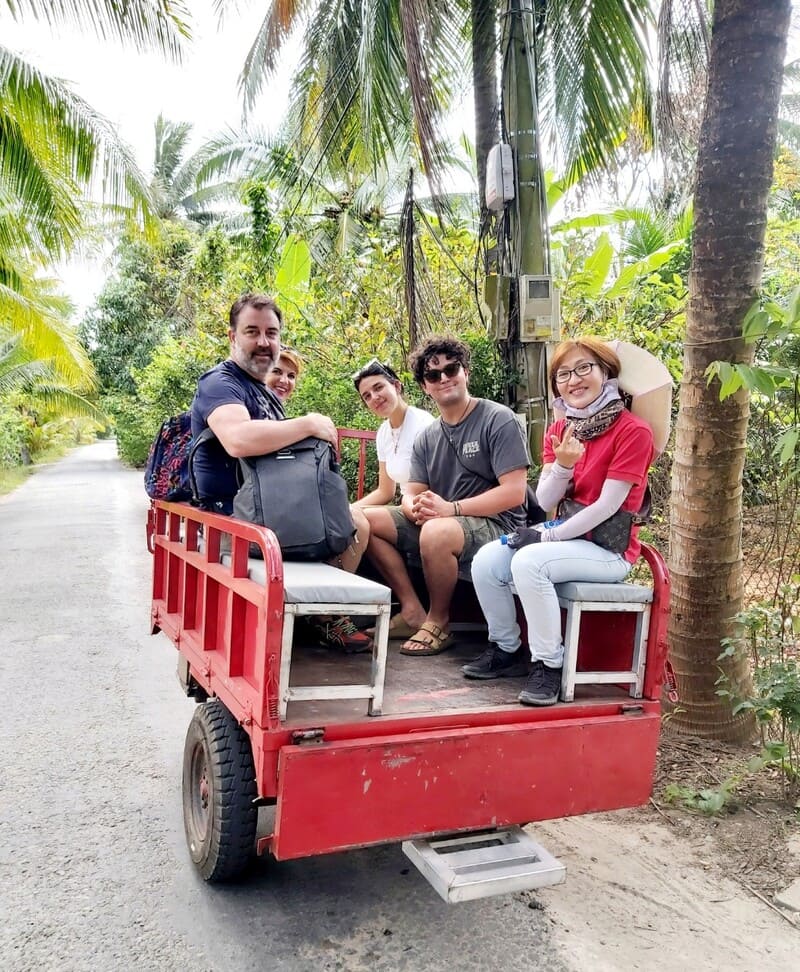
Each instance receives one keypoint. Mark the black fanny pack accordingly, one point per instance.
(613, 534)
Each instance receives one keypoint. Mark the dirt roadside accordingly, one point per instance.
(659, 887)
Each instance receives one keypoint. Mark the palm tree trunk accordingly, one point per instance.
(484, 81)
(734, 173)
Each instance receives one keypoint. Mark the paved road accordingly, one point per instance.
(94, 874)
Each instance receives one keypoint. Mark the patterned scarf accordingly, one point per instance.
(588, 423)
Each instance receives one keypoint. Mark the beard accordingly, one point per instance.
(257, 364)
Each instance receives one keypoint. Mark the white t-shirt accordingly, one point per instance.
(394, 445)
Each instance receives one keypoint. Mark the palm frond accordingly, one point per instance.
(31, 309)
(593, 72)
(281, 19)
(52, 145)
(373, 81)
(160, 25)
(684, 34)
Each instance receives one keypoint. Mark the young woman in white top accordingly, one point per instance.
(382, 392)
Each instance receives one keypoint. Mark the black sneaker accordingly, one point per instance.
(542, 687)
(496, 663)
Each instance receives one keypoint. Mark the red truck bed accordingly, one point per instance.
(446, 754)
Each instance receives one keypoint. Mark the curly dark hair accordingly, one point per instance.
(435, 345)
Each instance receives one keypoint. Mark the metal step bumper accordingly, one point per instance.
(463, 867)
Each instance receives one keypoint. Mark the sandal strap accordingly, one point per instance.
(439, 633)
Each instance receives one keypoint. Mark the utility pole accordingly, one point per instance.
(521, 297)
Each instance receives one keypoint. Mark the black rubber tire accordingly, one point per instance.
(219, 786)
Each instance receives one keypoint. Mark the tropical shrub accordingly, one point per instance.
(164, 387)
(13, 435)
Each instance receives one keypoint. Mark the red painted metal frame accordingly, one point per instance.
(363, 436)
(360, 792)
(372, 780)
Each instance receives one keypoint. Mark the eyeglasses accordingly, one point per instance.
(563, 375)
(434, 375)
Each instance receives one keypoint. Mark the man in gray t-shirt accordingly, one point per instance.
(467, 487)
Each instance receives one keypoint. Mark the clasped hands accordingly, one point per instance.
(428, 505)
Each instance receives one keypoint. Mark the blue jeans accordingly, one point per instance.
(498, 572)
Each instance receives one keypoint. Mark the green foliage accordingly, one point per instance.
(709, 800)
(772, 381)
(767, 636)
(167, 384)
(163, 388)
(644, 302)
(139, 306)
(13, 435)
(133, 426)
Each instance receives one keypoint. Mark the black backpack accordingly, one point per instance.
(299, 494)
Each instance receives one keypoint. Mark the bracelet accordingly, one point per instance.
(456, 508)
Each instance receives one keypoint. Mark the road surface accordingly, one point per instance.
(94, 873)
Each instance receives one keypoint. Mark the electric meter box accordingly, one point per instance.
(499, 177)
(539, 308)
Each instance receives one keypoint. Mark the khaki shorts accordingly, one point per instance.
(478, 531)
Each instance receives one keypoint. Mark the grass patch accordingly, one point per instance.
(11, 477)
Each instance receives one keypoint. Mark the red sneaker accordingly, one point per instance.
(343, 635)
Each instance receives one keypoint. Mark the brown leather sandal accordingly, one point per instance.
(429, 640)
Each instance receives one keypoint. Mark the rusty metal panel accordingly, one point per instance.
(350, 794)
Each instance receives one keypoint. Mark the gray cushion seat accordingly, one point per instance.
(320, 584)
(606, 593)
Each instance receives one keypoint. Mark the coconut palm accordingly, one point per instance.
(393, 66)
(186, 186)
(748, 44)
(39, 383)
(52, 144)
(53, 148)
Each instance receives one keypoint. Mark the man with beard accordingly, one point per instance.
(247, 419)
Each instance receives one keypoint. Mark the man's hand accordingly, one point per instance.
(428, 505)
(322, 427)
(567, 449)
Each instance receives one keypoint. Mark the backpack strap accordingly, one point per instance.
(205, 436)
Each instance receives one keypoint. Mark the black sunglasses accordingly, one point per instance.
(434, 375)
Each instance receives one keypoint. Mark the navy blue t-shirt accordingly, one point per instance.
(214, 470)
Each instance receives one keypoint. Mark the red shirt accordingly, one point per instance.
(624, 451)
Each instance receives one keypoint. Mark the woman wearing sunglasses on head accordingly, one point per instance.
(598, 456)
(382, 392)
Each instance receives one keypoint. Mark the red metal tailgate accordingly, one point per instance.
(353, 793)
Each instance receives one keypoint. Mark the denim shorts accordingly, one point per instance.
(478, 531)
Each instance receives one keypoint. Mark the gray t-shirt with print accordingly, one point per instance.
(489, 442)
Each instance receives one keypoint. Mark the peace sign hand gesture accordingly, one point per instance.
(567, 449)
